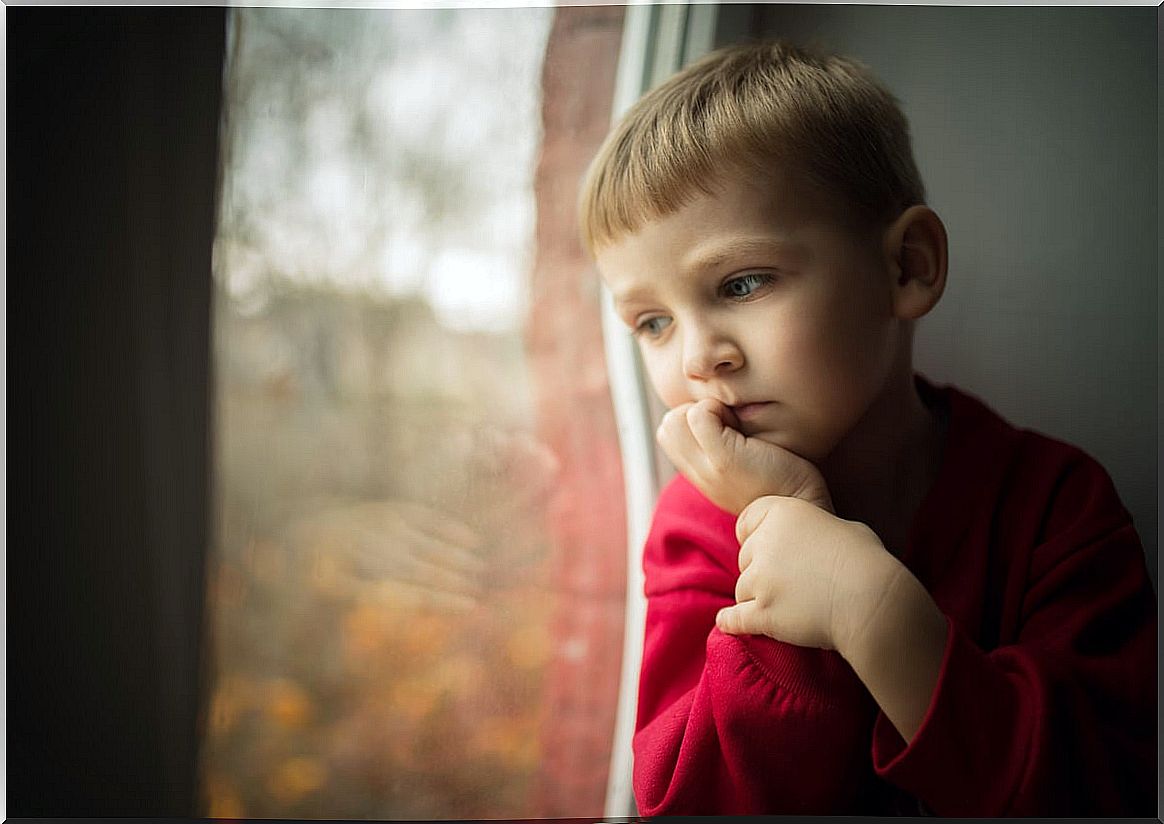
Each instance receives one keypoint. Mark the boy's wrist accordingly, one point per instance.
(897, 649)
(865, 616)
(900, 605)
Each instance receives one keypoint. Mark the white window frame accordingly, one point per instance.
(657, 40)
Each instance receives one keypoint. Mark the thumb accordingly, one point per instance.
(737, 620)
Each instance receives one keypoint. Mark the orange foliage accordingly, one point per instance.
(295, 778)
(289, 705)
(528, 647)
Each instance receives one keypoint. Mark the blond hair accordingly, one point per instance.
(745, 108)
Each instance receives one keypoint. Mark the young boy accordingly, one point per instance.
(919, 607)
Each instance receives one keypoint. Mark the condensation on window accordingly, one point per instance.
(383, 612)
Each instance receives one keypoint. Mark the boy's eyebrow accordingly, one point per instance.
(630, 295)
(715, 255)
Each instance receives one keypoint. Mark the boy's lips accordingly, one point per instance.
(748, 411)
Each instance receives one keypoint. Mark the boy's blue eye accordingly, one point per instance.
(745, 285)
(653, 327)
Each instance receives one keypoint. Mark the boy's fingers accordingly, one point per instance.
(721, 411)
(744, 589)
(737, 620)
(674, 435)
(745, 555)
(672, 421)
(706, 427)
(750, 519)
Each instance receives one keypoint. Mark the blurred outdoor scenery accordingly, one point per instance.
(379, 611)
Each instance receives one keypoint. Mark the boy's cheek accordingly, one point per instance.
(671, 390)
(664, 378)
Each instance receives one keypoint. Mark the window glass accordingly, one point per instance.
(416, 580)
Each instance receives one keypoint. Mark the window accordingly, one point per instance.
(418, 569)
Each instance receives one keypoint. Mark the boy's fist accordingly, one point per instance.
(807, 577)
(703, 441)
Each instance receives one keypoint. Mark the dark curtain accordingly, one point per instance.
(112, 162)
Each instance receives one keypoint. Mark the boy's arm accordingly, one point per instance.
(732, 724)
(899, 651)
(1058, 721)
(1061, 720)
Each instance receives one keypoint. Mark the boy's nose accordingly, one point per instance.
(706, 356)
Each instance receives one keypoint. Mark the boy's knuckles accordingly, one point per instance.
(750, 518)
(774, 515)
(865, 532)
(798, 508)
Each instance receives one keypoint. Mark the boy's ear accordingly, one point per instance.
(915, 255)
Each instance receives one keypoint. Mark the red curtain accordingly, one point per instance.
(587, 519)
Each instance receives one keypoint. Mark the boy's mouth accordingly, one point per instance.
(748, 411)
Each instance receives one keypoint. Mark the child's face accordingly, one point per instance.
(760, 300)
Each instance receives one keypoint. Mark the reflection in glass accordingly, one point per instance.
(381, 593)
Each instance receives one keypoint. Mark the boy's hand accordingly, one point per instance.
(732, 470)
(807, 577)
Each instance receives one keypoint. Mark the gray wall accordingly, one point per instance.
(1035, 131)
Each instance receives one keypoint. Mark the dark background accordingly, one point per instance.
(112, 162)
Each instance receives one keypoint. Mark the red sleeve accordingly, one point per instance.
(734, 725)
(1061, 721)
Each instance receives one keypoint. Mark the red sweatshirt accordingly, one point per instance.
(1046, 700)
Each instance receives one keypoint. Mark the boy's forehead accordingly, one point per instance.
(738, 219)
(778, 196)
